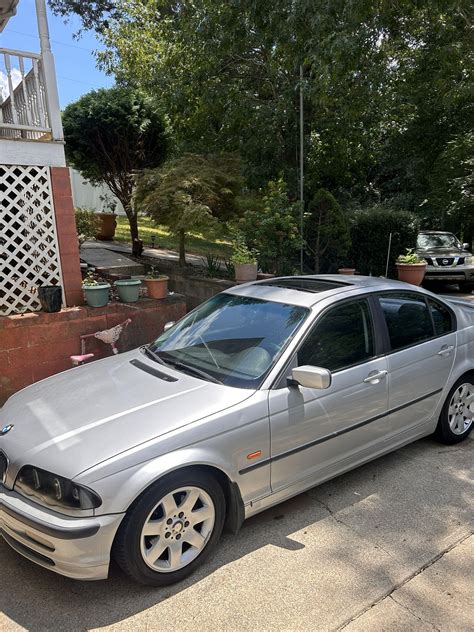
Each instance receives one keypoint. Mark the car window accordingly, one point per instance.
(341, 338)
(442, 318)
(233, 339)
(408, 319)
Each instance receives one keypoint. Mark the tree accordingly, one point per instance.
(190, 193)
(110, 134)
(387, 85)
(327, 230)
(270, 226)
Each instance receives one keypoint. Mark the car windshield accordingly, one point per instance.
(234, 340)
(432, 241)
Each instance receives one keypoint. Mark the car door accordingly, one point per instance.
(421, 342)
(317, 433)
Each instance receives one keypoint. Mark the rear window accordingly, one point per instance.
(408, 319)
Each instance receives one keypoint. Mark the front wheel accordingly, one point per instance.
(172, 529)
(466, 287)
(457, 415)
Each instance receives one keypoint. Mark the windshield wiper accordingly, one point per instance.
(151, 354)
(177, 364)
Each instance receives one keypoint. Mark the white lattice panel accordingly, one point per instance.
(29, 254)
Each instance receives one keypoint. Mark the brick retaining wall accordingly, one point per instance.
(36, 345)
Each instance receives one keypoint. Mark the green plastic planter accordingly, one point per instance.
(97, 295)
(128, 290)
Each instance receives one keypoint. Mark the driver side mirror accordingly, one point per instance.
(466, 247)
(168, 325)
(311, 377)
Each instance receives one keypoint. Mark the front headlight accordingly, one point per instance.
(54, 491)
(469, 261)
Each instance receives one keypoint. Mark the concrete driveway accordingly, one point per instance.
(386, 547)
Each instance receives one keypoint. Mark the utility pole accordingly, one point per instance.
(301, 169)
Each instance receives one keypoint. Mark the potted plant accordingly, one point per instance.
(156, 284)
(107, 220)
(244, 261)
(128, 290)
(96, 293)
(50, 297)
(411, 268)
(346, 270)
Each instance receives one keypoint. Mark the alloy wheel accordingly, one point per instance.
(177, 529)
(461, 408)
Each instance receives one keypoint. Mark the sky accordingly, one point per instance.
(76, 70)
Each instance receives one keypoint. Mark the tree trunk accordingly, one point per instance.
(182, 252)
(137, 244)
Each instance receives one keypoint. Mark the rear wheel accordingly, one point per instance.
(171, 529)
(456, 419)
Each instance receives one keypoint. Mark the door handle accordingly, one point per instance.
(446, 351)
(375, 377)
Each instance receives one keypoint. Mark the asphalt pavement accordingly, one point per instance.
(386, 547)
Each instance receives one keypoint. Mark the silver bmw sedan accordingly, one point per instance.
(260, 393)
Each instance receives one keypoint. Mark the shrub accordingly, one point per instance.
(270, 227)
(87, 224)
(327, 232)
(370, 231)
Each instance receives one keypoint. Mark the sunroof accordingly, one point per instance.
(305, 285)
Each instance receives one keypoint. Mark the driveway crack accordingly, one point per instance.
(334, 516)
(407, 579)
(405, 607)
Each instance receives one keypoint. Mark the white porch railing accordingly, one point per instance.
(23, 103)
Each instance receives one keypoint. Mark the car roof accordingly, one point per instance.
(307, 290)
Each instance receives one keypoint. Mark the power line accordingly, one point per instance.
(86, 83)
(89, 50)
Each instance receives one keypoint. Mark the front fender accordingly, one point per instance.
(119, 491)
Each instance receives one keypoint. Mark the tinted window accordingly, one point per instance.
(343, 337)
(443, 321)
(408, 319)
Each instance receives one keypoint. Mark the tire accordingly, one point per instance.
(163, 523)
(466, 287)
(455, 422)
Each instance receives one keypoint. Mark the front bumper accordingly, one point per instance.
(450, 273)
(74, 547)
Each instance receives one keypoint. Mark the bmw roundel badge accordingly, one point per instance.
(5, 429)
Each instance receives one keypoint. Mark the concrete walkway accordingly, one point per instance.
(385, 548)
(152, 253)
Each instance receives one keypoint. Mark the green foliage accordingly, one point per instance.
(154, 273)
(87, 224)
(242, 254)
(387, 90)
(327, 232)
(110, 133)
(410, 257)
(270, 226)
(190, 193)
(90, 280)
(370, 231)
(213, 265)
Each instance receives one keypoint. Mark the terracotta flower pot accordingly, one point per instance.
(346, 271)
(245, 272)
(413, 273)
(157, 288)
(107, 226)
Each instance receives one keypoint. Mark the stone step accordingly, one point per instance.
(109, 262)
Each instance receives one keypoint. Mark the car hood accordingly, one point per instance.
(84, 416)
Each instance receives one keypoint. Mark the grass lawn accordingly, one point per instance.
(196, 243)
